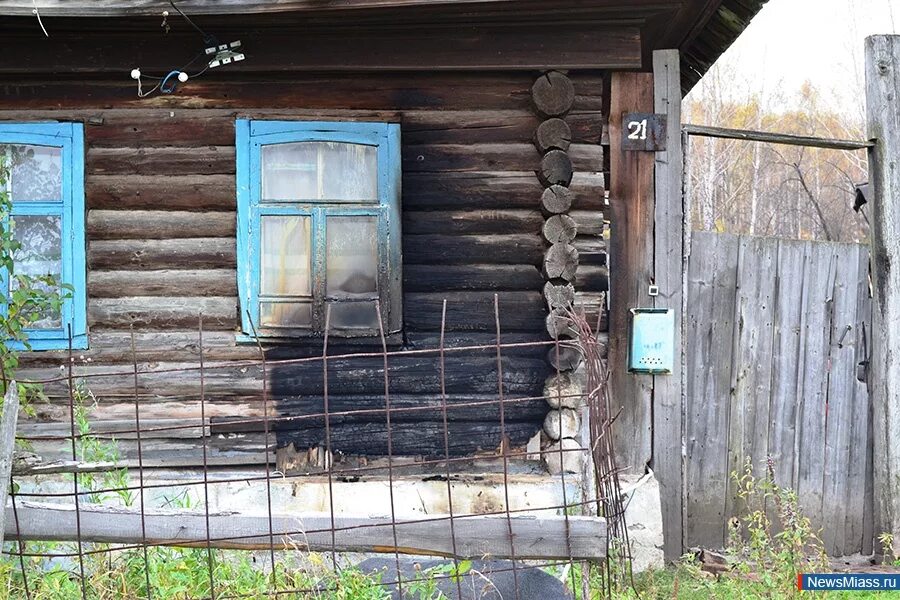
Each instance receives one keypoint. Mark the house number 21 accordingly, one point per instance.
(637, 130)
(643, 132)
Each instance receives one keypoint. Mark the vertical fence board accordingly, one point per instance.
(786, 360)
(858, 491)
(841, 387)
(712, 278)
(771, 374)
(812, 384)
(752, 366)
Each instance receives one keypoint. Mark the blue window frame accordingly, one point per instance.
(46, 185)
(318, 228)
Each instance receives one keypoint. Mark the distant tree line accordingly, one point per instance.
(774, 190)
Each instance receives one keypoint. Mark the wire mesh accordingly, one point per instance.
(143, 522)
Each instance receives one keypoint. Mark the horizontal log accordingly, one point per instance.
(566, 357)
(561, 262)
(114, 347)
(559, 325)
(553, 134)
(553, 94)
(421, 191)
(564, 390)
(589, 222)
(465, 372)
(120, 429)
(494, 157)
(162, 312)
(472, 221)
(557, 168)
(184, 127)
(562, 423)
(559, 295)
(591, 249)
(309, 48)
(448, 278)
(204, 160)
(474, 311)
(556, 199)
(164, 191)
(293, 414)
(125, 284)
(560, 229)
(593, 306)
(159, 224)
(193, 253)
(592, 278)
(474, 537)
(361, 91)
(423, 438)
(468, 249)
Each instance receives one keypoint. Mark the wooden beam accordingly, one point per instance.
(476, 536)
(330, 49)
(777, 138)
(883, 126)
(631, 268)
(669, 269)
(95, 8)
(7, 442)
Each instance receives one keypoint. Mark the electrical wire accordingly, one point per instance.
(207, 38)
(37, 13)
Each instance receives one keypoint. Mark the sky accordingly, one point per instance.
(820, 41)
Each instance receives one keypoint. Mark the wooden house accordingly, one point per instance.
(358, 162)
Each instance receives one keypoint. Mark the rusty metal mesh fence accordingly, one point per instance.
(98, 513)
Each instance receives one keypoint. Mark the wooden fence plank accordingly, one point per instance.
(538, 538)
(709, 327)
(786, 357)
(7, 443)
(859, 475)
(752, 363)
(841, 387)
(812, 380)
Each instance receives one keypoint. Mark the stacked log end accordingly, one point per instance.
(553, 96)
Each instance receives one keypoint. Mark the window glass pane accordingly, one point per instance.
(314, 171)
(289, 172)
(40, 254)
(36, 172)
(354, 315)
(285, 314)
(350, 172)
(352, 257)
(285, 256)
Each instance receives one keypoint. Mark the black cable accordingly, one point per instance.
(208, 39)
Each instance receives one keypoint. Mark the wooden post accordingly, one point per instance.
(7, 444)
(883, 123)
(668, 265)
(630, 268)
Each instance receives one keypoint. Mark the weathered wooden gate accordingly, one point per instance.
(775, 330)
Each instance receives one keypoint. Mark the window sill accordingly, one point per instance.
(79, 342)
(393, 340)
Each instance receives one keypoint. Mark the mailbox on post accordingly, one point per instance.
(652, 348)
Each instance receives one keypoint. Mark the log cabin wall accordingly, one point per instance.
(160, 196)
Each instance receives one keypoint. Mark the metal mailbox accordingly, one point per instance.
(652, 348)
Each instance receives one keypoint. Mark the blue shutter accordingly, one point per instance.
(69, 137)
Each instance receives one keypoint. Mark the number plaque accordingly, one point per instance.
(644, 132)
